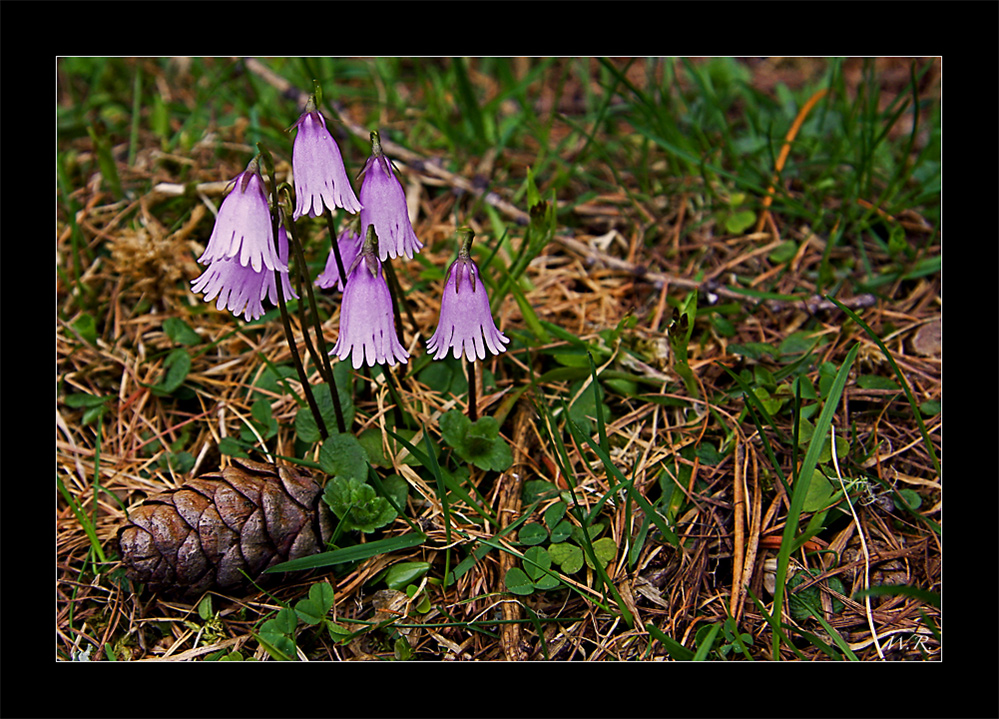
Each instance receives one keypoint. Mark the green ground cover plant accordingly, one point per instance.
(706, 424)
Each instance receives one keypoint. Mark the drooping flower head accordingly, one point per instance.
(316, 163)
(367, 322)
(466, 324)
(241, 288)
(384, 206)
(349, 245)
(243, 228)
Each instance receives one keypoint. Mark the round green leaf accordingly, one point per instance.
(562, 531)
(819, 492)
(605, 549)
(532, 533)
(911, 498)
(536, 561)
(567, 556)
(554, 514)
(518, 582)
(343, 456)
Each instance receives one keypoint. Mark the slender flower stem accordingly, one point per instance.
(394, 290)
(401, 417)
(297, 360)
(321, 358)
(473, 413)
(336, 249)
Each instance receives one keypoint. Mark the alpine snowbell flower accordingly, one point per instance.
(367, 322)
(243, 230)
(349, 245)
(316, 163)
(384, 206)
(466, 324)
(241, 288)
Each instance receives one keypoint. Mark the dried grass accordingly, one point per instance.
(584, 282)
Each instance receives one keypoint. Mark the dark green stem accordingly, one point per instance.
(401, 418)
(473, 413)
(282, 304)
(296, 359)
(336, 249)
(394, 292)
(320, 357)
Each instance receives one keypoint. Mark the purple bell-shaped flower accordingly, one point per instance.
(466, 323)
(384, 206)
(320, 177)
(367, 321)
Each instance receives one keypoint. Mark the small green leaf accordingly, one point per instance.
(605, 550)
(320, 600)
(309, 611)
(738, 222)
(397, 489)
(343, 456)
(338, 632)
(911, 498)
(819, 492)
(85, 400)
(532, 533)
(284, 622)
(180, 332)
(476, 442)
(356, 504)
(567, 556)
(262, 420)
(538, 489)
(536, 560)
(518, 582)
(176, 367)
(86, 327)
(277, 635)
(371, 440)
(784, 252)
(454, 426)
(399, 575)
(230, 446)
(554, 514)
(562, 531)
(803, 602)
(305, 423)
(205, 607)
(872, 381)
(806, 430)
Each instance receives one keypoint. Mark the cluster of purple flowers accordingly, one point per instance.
(244, 263)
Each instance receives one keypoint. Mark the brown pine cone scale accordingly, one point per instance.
(216, 526)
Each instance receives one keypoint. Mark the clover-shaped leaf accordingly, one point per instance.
(536, 561)
(605, 550)
(567, 556)
(320, 600)
(476, 442)
(356, 504)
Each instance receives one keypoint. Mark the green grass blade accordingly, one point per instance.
(803, 479)
(83, 519)
(429, 461)
(624, 483)
(673, 647)
(355, 553)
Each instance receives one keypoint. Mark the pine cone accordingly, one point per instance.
(244, 518)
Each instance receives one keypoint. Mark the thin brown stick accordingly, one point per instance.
(738, 513)
(785, 151)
